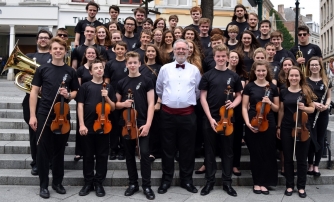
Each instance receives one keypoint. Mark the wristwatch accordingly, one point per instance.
(68, 96)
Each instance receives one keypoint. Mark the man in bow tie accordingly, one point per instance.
(177, 87)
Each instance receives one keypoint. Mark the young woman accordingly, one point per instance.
(116, 36)
(160, 23)
(189, 33)
(194, 56)
(237, 65)
(178, 32)
(283, 74)
(113, 26)
(261, 145)
(260, 54)
(319, 83)
(166, 48)
(157, 37)
(247, 46)
(102, 37)
(148, 24)
(297, 89)
(96, 146)
(151, 69)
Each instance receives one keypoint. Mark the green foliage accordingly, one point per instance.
(288, 41)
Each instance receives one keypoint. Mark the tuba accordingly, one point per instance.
(299, 54)
(26, 66)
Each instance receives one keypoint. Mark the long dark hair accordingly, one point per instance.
(98, 56)
(234, 18)
(197, 39)
(253, 46)
(240, 69)
(281, 74)
(157, 57)
(252, 76)
(165, 57)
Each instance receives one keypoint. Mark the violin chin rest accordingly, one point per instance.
(127, 137)
(57, 132)
(99, 131)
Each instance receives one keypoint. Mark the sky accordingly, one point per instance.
(311, 7)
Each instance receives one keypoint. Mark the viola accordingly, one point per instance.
(102, 124)
(300, 131)
(260, 121)
(60, 125)
(224, 125)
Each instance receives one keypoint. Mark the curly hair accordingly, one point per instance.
(252, 76)
(195, 58)
(107, 40)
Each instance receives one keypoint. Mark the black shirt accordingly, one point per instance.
(256, 33)
(50, 77)
(140, 86)
(231, 47)
(41, 58)
(81, 26)
(115, 70)
(282, 54)
(241, 25)
(206, 43)
(263, 42)
(84, 74)
(208, 62)
(248, 62)
(141, 53)
(275, 69)
(256, 94)
(131, 42)
(152, 72)
(318, 88)
(90, 95)
(196, 27)
(215, 82)
(308, 51)
(111, 54)
(78, 52)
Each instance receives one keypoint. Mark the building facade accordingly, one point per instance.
(326, 29)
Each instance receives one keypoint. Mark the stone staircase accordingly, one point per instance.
(15, 157)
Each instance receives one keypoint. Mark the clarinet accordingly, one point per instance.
(318, 111)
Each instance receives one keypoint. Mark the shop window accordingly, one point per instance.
(224, 3)
(177, 2)
(37, 1)
(130, 1)
(83, 1)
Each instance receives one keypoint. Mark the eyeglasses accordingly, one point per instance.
(181, 49)
(314, 65)
(128, 24)
(302, 34)
(62, 35)
(43, 38)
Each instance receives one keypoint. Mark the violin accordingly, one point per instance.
(60, 125)
(300, 131)
(260, 121)
(225, 126)
(102, 125)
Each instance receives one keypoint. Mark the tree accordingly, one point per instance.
(207, 9)
(288, 41)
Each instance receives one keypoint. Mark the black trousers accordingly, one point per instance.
(178, 130)
(51, 148)
(301, 157)
(155, 138)
(238, 131)
(318, 134)
(115, 138)
(226, 154)
(145, 164)
(32, 134)
(98, 145)
(78, 137)
(199, 132)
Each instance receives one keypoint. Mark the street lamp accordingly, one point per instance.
(296, 23)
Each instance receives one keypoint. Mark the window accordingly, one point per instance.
(130, 1)
(28, 1)
(223, 3)
(83, 1)
(177, 2)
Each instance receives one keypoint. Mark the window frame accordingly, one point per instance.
(165, 3)
(130, 3)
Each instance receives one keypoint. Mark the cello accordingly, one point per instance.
(60, 125)
(260, 121)
(225, 126)
(102, 124)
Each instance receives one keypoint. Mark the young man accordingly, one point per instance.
(276, 38)
(308, 49)
(63, 34)
(145, 38)
(51, 147)
(204, 26)
(130, 37)
(196, 15)
(148, 24)
(92, 8)
(78, 52)
(143, 102)
(213, 87)
(177, 87)
(96, 144)
(209, 62)
(42, 57)
(239, 19)
(233, 31)
(252, 21)
(139, 14)
(265, 28)
(275, 65)
(173, 20)
(114, 12)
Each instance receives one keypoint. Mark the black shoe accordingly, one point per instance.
(256, 191)
(99, 190)
(59, 188)
(149, 193)
(310, 172)
(76, 158)
(163, 188)
(198, 172)
(66, 144)
(207, 188)
(229, 190)
(236, 173)
(34, 170)
(302, 195)
(121, 156)
(131, 190)
(189, 187)
(316, 174)
(288, 193)
(112, 156)
(86, 190)
(265, 192)
(44, 193)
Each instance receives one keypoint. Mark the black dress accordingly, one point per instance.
(262, 145)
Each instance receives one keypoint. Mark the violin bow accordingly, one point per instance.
(54, 100)
(295, 140)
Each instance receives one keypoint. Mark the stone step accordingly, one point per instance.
(13, 103)
(18, 114)
(6, 123)
(22, 161)
(120, 178)
(23, 135)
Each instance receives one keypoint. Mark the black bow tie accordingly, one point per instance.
(178, 65)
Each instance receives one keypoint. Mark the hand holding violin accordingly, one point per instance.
(63, 91)
(229, 104)
(266, 99)
(127, 103)
(104, 93)
(301, 106)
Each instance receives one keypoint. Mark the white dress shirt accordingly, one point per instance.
(177, 87)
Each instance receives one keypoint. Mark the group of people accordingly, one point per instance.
(177, 80)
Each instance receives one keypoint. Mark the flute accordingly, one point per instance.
(318, 111)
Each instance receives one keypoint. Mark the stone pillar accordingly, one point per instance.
(10, 74)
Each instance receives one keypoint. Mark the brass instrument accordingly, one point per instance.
(17, 60)
(299, 54)
(67, 58)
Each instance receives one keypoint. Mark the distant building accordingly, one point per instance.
(326, 29)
